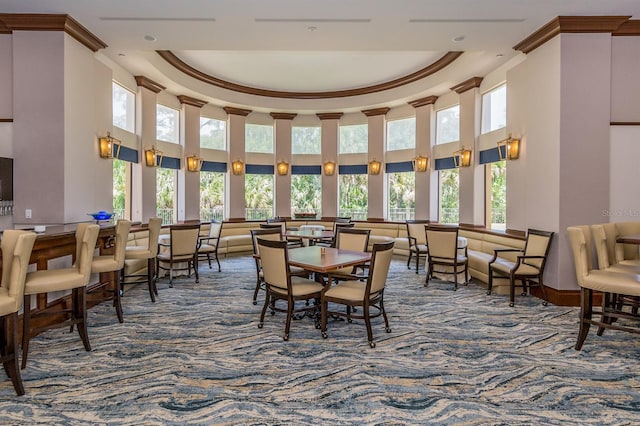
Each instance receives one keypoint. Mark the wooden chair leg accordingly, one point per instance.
(117, 302)
(9, 351)
(150, 278)
(586, 311)
(512, 292)
(490, 283)
(80, 313)
(26, 329)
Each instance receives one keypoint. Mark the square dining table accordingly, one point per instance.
(326, 259)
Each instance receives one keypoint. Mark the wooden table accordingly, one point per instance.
(311, 236)
(311, 258)
(629, 239)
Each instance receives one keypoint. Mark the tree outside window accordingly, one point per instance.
(305, 140)
(306, 194)
(353, 200)
(213, 133)
(211, 196)
(258, 138)
(167, 124)
(498, 192)
(166, 194)
(449, 196)
(401, 196)
(258, 194)
(120, 188)
(354, 139)
(401, 134)
(448, 125)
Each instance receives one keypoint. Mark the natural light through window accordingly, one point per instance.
(258, 138)
(213, 133)
(448, 125)
(168, 124)
(401, 134)
(494, 109)
(124, 108)
(354, 139)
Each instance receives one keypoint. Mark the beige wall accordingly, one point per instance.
(6, 76)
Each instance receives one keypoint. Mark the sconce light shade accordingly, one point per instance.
(237, 167)
(462, 157)
(152, 157)
(329, 168)
(106, 146)
(194, 163)
(283, 168)
(512, 148)
(374, 167)
(420, 163)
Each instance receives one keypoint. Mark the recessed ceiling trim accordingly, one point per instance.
(316, 20)
(148, 19)
(436, 66)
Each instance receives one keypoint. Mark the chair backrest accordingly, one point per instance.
(599, 236)
(415, 229)
(272, 234)
(538, 244)
(122, 235)
(356, 239)
(154, 225)
(342, 221)
(380, 263)
(442, 241)
(215, 229)
(338, 225)
(275, 263)
(281, 226)
(184, 239)
(86, 235)
(16, 251)
(579, 249)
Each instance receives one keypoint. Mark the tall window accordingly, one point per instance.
(167, 124)
(211, 196)
(353, 200)
(354, 139)
(258, 138)
(166, 194)
(258, 195)
(213, 133)
(124, 108)
(494, 109)
(306, 194)
(448, 125)
(402, 187)
(496, 195)
(401, 134)
(120, 188)
(449, 196)
(305, 140)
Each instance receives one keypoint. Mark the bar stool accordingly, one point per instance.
(113, 264)
(16, 251)
(75, 279)
(147, 253)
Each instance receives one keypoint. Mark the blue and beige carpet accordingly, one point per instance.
(196, 356)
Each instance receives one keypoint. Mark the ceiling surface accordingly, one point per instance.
(313, 45)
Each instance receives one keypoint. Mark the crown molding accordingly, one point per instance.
(429, 100)
(176, 62)
(283, 115)
(472, 83)
(376, 111)
(187, 100)
(50, 22)
(237, 111)
(147, 83)
(329, 115)
(571, 24)
(629, 28)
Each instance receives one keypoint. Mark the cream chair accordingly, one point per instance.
(147, 253)
(16, 251)
(112, 264)
(208, 246)
(281, 285)
(610, 282)
(75, 279)
(354, 293)
(182, 253)
(443, 256)
(527, 267)
(417, 241)
(355, 239)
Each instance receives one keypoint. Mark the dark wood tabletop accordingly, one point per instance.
(629, 239)
(312, 259)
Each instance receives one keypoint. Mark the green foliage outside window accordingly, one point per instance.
(211, 196)
(212, 133)
(305, 140)
(401, 134)
(498, 194)
(354, 139)
(353, 200)
(119, 187)
(306, 193)
(165, 194)
(402, 187)
(258, 195)
(449, 196)
(258, 138)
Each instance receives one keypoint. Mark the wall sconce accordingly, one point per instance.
(194, 163)
(237, 167)
(462, 157)
(283, 168)
(329, 168)
(374, 167)
(106, 146)
(153, 157)
(512, 148)
(420, 163)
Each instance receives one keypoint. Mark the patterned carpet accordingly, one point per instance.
(197, 357)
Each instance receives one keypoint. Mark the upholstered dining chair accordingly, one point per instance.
(113, 264)
(282, 225)
(527, 267)
(146, 253)
(16, 251)
(612, 283)
(354, 293)
(272, 234)
(182, 250)
(354, 239)
(74, 278)
(209, 244)
(443, 256)
(417, 241)
(280, 284)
